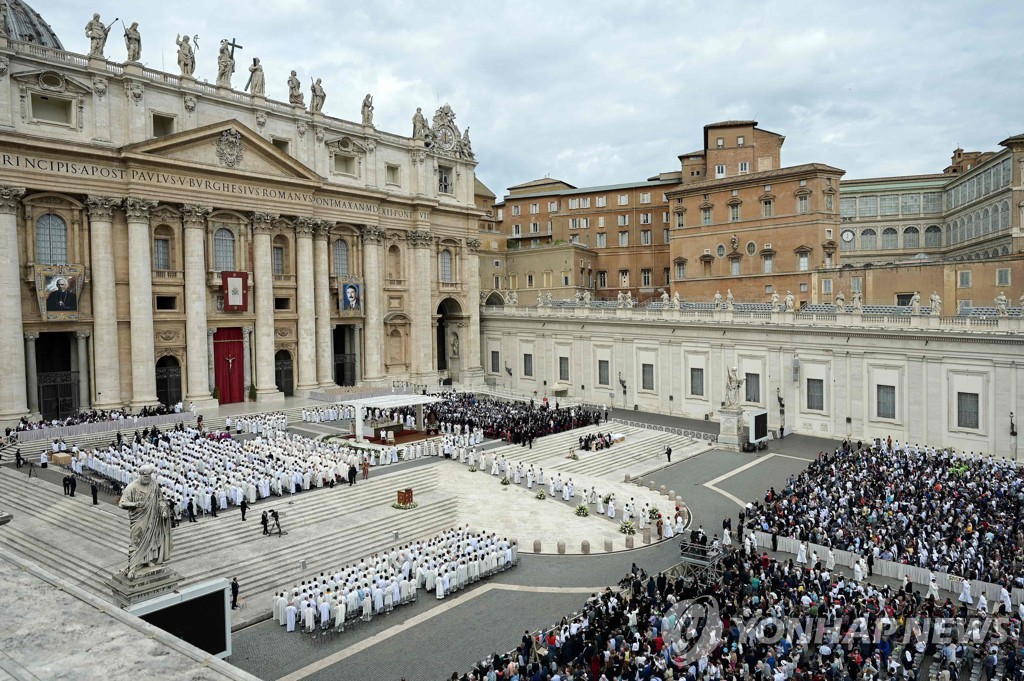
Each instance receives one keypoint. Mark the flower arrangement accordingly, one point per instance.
(573, 456)
(542, 495)
(405, 507)
(627, 527)
(583, 510)
(654, 513)
(506, 481)
(473, 469)
(606, 498)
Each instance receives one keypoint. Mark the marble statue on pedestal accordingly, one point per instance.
(419, 125)
(318, 97)
(586, 298)
(840, 302)
(775, 302)
(295, 96)
(936, 304)
(257, 84)
(675, 301)
(620, 300)
(97, 34)
(133, 41)
(368, 110)
(225, 65)
(729, 299)
(857, 307)
(790, 301)
(1002, 303)
(915, 303)
(718, 300)
(513, 298)
(149, 519)
(186, 57)
(664, 299)
(630, 303)
(733, 383)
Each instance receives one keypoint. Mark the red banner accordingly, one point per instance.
(235, 288)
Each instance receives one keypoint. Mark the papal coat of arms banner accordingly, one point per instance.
(235, 288)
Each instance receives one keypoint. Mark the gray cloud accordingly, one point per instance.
(603, 92)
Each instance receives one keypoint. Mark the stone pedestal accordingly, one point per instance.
(732, 432)
(148, 583)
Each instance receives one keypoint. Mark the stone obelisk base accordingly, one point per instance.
(732, 433)
(148, 583)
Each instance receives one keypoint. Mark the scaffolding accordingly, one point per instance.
(701, 565)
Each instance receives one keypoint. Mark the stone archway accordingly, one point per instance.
(168, 381)
(494, 300)
(284, 372)
(449, 337)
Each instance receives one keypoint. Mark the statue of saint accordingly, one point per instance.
(630, 303)
(676, 304)
(586, 298)
(186, 57)
(149, 522)
(225, 65)
(790, 301)
(465, 146)
(133, 41)
(368, 110)
(915, 303)
(513, 298)
(295, 96)
(857, 307)
(733, 383)
(97, 33)
(419, 125)
(936, 304)
(621, 299)
(257, 84)
(729, 299)
(1002, 303)
(718, 300)
(317, 97)
(775, 301)
(840, 302)
(664, 299)
(455, 345)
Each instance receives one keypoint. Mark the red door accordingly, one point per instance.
(228, 365)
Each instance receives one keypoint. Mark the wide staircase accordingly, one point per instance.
(640, 452)
(324, 529)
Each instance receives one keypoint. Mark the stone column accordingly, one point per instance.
(304, 275)
(356, 349)
(322, 305)
(474, 369)
(30, 372)
(266, 387)
(373, 245)
(196, 348)
(211, 367)
(83, 370)
(140, 287)
(105, 348)
(420, 307)
(247, 357)
(13, 403)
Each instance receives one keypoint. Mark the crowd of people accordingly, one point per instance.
(769, 621)
(375, 585)
(515, 422)
(89, 416)
(595, 442)
(959, 513)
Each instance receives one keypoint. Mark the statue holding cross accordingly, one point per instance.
(226, 62)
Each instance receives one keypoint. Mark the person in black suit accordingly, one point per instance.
(234, 593)
(62, 299)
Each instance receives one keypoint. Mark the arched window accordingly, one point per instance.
(163, 253)
(340, 258)
(970, 227)
(1004, 216)
(986, 221)
(933, 236)
(446, 265)
(868, 240)
(911, 237)
(890, 238)
(394, 262)
(223, 250)
(51, 240)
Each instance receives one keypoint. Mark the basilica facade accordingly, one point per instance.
(164, 239)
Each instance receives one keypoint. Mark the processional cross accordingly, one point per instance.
(233, 45)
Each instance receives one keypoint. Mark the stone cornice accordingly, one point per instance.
(10, 199)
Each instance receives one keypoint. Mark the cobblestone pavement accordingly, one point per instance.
(489, 617)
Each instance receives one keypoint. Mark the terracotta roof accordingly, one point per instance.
(758, 177)
(540, 182)
(729, 124)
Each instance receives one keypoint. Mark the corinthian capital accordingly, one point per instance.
(10, 198)
(304, 227)
(419, 238)
(102, 207)
(137, 210)
(263, 222)
(322, 229)
(194, 215)
(372, 234)
(473, 245)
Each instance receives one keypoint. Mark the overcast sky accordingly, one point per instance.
(602, 92)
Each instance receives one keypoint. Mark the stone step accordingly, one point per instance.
(555, 446)
(623, 456)
(280, 566)
(80, 572)
(308, 508)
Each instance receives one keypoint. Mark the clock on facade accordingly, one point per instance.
(847, 236)
(446, 138)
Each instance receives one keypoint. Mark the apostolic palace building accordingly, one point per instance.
(163, 238)
(167, 239)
